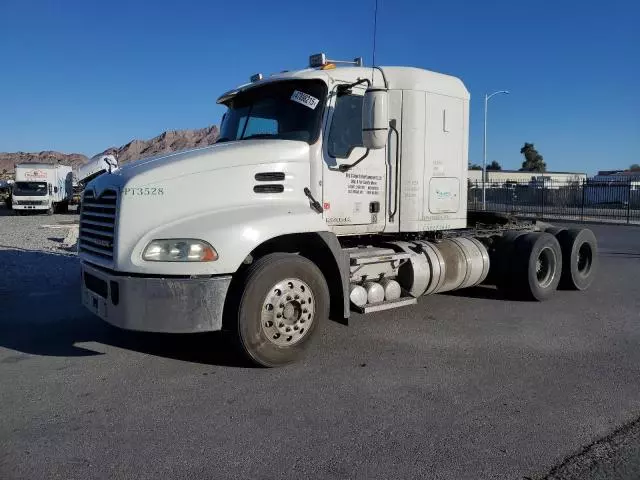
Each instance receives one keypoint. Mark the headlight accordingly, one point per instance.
(179, 250)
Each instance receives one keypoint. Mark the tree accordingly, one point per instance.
(533, 161)
(494, 166)
(474, 166)
(635, 167)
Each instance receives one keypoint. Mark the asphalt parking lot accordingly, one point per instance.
(459, 386)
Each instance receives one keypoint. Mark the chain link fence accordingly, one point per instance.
(588, 200)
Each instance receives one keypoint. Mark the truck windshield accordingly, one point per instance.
(286, 110)
(30, 188)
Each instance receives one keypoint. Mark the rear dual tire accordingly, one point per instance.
(580, 258)
(535, 267)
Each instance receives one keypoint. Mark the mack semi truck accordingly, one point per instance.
(330, 189)
(41, 187)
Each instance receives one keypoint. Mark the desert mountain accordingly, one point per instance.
(170, 141)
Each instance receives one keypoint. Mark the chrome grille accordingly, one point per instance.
(97, 223)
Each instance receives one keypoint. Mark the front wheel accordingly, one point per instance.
(284, 301)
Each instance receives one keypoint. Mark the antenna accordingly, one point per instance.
(375, 27)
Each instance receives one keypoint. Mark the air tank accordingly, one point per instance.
(392, 289)
(375, 292)
(358, 295)
(449, 264)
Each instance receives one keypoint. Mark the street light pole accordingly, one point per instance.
(484, 148)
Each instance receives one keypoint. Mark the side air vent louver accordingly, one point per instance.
(268, 188)
(270, 176)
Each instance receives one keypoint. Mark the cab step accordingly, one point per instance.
(388, 305)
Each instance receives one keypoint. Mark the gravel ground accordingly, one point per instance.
(40, 238)
(459, 386)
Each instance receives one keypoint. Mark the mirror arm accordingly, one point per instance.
(345, 167)
(345, 88)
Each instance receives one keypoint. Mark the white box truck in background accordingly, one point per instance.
(329, 189)
(42, 187)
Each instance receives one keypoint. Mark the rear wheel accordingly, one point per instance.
(284, 301)
(580, 258)
(536, 266)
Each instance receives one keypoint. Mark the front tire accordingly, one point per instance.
(284, 301)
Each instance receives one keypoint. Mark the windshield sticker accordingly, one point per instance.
(305, 99)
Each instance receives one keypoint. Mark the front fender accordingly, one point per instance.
(234, 233)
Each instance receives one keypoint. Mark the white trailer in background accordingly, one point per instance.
(42, 187)
(96, 166)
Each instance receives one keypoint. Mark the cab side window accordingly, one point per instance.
(346, 126)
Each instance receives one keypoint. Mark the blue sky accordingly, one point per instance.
(83, 75)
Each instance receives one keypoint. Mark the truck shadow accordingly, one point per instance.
(620, 254)
(488, 292)
(42, 316)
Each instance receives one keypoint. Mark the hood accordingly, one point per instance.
(215, 157)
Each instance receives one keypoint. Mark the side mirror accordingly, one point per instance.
(375, 118)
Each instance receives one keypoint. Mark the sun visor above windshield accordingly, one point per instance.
(279, 77)
(225, 97)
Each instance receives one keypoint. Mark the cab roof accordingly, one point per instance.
(397, 78)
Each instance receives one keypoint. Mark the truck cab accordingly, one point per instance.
(310, 203)
(30, 195)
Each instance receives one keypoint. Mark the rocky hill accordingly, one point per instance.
(8, 160)
(170, 141)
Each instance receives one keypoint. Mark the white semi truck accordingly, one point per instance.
(330, 189)
(42, 187)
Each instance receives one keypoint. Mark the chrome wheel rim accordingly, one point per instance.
(545, 267)
(584, 258)
(288, 311)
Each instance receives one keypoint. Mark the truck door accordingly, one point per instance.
(353, 199)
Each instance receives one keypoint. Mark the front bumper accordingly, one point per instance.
(29, 207)
(153, 304)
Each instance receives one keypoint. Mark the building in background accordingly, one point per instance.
(500, 177)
